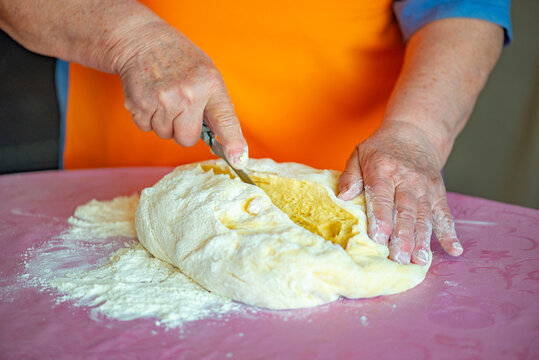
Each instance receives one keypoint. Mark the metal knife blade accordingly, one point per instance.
(209, 138)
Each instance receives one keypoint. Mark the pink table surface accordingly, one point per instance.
(482, 305)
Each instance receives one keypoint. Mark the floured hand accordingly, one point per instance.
(400, 170)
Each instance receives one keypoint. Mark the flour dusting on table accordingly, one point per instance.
(98, 263)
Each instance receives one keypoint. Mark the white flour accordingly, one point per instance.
(99, 264)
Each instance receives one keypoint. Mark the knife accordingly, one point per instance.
(216, 148)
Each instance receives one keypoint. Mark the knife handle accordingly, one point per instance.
(207, 135)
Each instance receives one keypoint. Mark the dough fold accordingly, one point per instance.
(289, 243)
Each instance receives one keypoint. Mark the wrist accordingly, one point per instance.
(438, 140)
(128, 39)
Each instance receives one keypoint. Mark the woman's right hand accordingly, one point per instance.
(171, 86)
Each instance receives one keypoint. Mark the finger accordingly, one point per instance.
(141, 116)
(422, 233)
(351, 182)
(187, 125)
(161, 125)
(183, 113)
(142, 121)
(221, 117)
(444, 228)
(401, 242)
(379, 196)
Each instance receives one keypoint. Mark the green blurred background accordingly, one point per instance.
(496, 156)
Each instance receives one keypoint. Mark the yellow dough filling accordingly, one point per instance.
(309, 205)
(306, 203)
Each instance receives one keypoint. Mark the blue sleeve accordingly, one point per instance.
(414, 14)
(61, 76)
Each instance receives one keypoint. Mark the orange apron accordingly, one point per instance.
(308, 79)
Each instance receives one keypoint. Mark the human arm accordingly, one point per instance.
(169, 84)
(447, 63)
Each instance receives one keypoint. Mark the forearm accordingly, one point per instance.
(88, 32)
(446, 66)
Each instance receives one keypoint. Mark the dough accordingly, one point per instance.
(288, 243)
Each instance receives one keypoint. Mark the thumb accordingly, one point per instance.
(351, 181)
(219, 114)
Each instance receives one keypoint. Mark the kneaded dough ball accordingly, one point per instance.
(288, 243)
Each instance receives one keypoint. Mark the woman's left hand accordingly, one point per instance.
(399, 168)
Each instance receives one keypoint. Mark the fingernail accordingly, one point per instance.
(350, 192)
(343, 195)
(457, 246)
(423, 256)
(402, 258)
(381, 238)
(239, 161)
